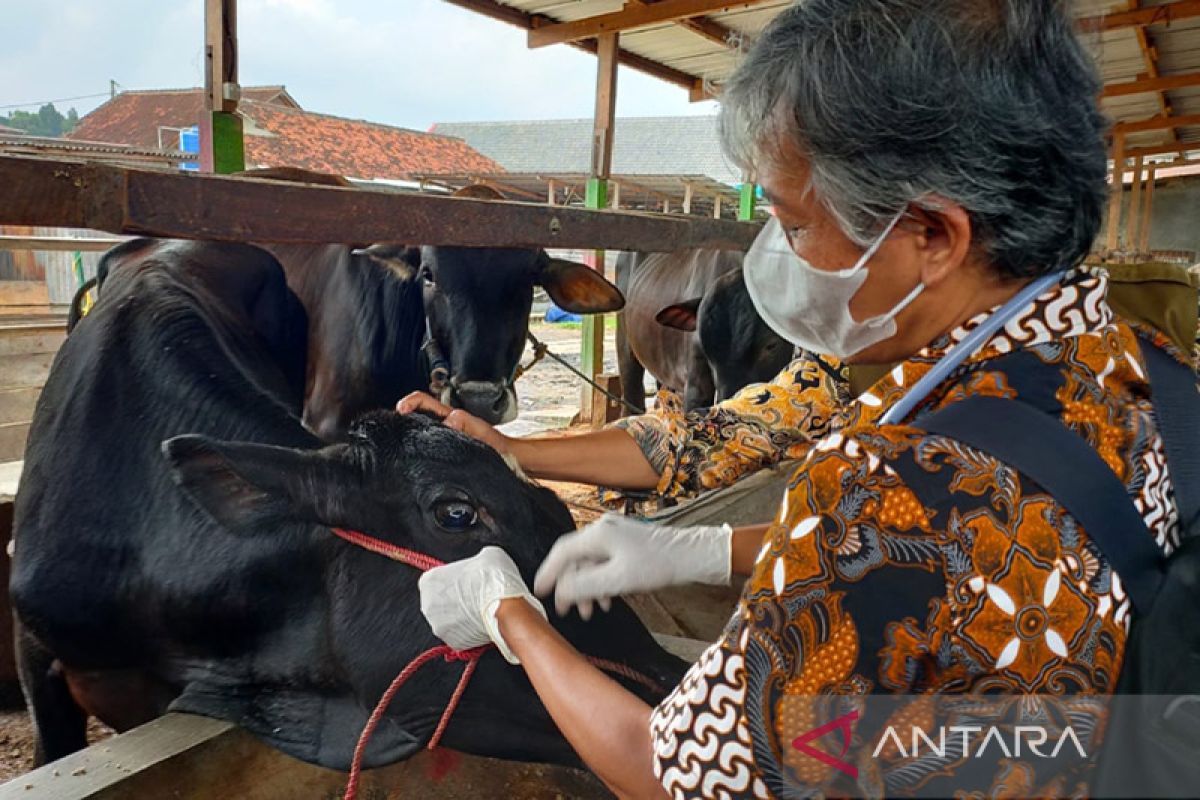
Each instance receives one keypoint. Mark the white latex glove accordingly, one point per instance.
(460, 599)
(616, 555)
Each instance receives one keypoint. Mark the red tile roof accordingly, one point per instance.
(134, 117)
(279, 133)
(277, 136)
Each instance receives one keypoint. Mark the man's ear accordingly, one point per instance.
(682, 316)
(944, 240)
(253, 488)
(577, 288)
(402, 259)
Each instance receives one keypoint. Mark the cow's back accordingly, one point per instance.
(653, 281)
(104, 541)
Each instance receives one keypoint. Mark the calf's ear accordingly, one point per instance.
(402, 259)
(252, 488)
(577, 288)
(683, 316)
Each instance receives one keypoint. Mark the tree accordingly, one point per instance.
(46, 122)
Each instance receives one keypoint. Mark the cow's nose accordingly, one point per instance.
(492, 402)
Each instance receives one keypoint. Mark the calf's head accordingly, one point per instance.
(740, 348)
(412, 482)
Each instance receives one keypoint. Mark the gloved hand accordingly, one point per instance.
(615, 555)
(460, 599)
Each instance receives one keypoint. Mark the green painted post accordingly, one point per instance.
(228, 145)
(591, 354)
(746, 202)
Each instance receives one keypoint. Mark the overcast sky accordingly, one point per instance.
(403, 62)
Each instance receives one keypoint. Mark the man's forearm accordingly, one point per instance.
(606, 724)
(747, 544)
(608, 457)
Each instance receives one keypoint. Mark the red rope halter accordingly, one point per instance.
(471, 657)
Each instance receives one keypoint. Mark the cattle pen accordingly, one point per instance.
(1151, 69)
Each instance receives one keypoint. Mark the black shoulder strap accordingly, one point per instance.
(1176, 405)
(1061, 462)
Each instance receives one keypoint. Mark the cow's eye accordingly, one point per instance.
(426, 274)
(455, 515)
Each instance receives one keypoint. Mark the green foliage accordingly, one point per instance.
(46, 121)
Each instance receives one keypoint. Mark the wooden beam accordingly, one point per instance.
(1133, 220)
(1163, 83)
(513, 16)
(222, 144)
(1116, 190)
(591, 354)
(122, 200)
(632, 16)
(1147, 211)
(1152, 15)
(704, 27)
(702, 90)
(1164, 150)
(716, 206)
(550, 190)
(58, 243)
(220, 55)
(1150, 57)
(687, 198)
(604, 117)
(1158, 124)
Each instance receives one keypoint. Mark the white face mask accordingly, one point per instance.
(811, 307)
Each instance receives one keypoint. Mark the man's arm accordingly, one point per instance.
(607, 725)
(608, 457)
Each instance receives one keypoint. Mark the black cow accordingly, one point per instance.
(708, 346)
(172, 544)
(387, 320)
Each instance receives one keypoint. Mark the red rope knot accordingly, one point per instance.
(471, 654)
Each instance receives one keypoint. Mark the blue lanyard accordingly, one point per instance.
(967, 347)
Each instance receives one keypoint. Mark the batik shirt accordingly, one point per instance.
(906, 563)
(760, 426)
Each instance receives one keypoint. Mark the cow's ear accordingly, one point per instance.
(577, 288)
(251, 488)
(683, 316)
(402, 259)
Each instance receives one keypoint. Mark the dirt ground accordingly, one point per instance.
(548, 397)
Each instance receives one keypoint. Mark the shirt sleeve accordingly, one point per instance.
(761, 425)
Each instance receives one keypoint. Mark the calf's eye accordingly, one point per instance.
(455, 515)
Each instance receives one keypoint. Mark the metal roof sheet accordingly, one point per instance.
(1173, 48)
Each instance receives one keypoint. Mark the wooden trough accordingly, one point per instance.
(187, 757)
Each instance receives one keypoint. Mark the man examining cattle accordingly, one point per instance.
(952, 251)
(984, 522)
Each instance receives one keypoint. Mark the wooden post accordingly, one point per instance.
(687, 198)
(746, 201)
(222, 148)
(716, 206)
(1132, 224)
(615, 199)
(1143, 243)
(1117, 189)
(666, 206)
(550, 192)
(591, 354)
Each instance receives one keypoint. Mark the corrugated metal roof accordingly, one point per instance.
(694, 55)
(641, 145)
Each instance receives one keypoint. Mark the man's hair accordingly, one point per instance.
(990, 104)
